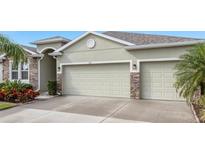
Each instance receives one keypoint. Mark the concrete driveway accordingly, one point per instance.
(84, 109)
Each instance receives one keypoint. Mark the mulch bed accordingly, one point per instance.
(197, 109)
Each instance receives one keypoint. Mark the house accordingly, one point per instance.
(112, 64)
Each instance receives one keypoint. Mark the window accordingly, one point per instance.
(24, 71)
(19, 72)
(14, 72)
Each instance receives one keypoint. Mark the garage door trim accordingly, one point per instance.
(154, 60)
(96, 62)
(123, 90)
(173, 60)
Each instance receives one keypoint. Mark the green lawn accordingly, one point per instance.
(6, 105)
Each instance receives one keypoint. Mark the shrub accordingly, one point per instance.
(16, 84)
(1, 85)
(27, 86)
(200, 101)
(16, 91)
(52, 87)
(202, 115)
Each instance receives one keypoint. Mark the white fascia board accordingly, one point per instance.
(112, 38)
(97, 34)
(164, 45)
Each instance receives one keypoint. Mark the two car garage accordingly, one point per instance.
(113, 80)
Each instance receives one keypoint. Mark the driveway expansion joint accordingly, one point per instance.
(114, 112)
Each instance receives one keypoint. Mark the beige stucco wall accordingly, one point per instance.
(106, 50)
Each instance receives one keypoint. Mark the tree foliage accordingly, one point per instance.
(12, 50)
(190, 75)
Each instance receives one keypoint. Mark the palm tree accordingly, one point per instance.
(12, 50)
(190, 75)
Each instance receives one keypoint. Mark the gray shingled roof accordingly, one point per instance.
(59, 38)
(26, 47)
(145, 39)
(30, 48)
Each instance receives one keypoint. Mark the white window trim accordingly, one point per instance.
(154, 60)
(19, 72)
(97, 62)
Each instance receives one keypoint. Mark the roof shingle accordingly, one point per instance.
(145, 39)
(29, 48)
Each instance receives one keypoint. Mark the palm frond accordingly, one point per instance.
(12, 50)
(190, 72)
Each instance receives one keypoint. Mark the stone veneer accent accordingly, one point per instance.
(59, 83)
(135, 85)
(6, 69)
(33, 72)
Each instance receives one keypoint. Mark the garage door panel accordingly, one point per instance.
(156, 74)
(111, 80)
(157, 81)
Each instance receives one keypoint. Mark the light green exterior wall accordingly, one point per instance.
(47, 64)
(51, 45)
(47, 71)
(173, 52)
(106, 50)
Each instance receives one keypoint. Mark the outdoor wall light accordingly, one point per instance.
(134, 66)
(59, 69)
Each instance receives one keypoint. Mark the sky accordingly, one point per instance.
(26, 37)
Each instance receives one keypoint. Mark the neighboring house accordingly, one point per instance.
(113, 64)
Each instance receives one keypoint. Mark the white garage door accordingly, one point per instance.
(157, 81)
(112, 80)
